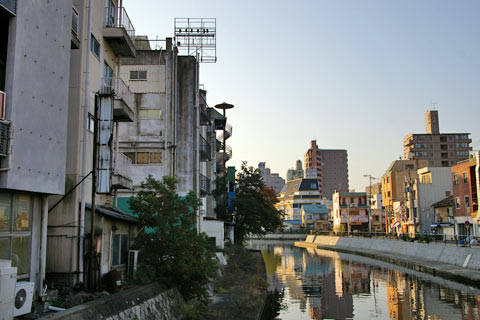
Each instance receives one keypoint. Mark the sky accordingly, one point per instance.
(353, 74)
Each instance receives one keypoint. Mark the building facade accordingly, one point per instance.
(272, 180)
(296, 173)
(331, 166)
(439, 149)
(295, 194)
(350, 212)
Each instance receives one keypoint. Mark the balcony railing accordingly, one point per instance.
(353, 219)
(204, 184)
(117, 17)
(205, 149)
(116, 87)
(121, 172)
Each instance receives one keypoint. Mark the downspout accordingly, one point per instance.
(175, 114)
(43, 244)
(197, 135)
(168, 85)
(85, 143)
(117, 93)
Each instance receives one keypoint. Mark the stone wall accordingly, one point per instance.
(146, 302)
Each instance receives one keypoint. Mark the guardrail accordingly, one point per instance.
(117, 17)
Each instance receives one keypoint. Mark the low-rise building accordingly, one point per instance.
(295, 194)
(350, 212)
(272, 180)
(315, 216)
(444, 219)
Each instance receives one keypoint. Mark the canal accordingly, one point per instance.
(323, 284)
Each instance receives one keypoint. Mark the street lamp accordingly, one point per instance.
(224, 106)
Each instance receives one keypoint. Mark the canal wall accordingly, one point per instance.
(280, 236)
(449, 261)
(145, 302)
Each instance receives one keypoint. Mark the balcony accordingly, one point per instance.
(228, 132)
(344, 218)
(123, 99)
(119, 31)
(121, 173)
(205, 150)
(204, 185)
(354, 206)
(218, 119)
(204, 114)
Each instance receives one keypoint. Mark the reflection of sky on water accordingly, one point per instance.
(320, 284)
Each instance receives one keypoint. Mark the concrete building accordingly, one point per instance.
(272, 180)
(439, 149)
(350, 212)
(432, 185)
(296, 173)
(332, 168)
(295, 194)
(105, 34)
(377, 213)
(36, 42)
(444, 218)
(315, 216)
(393, 189)
(465, 196)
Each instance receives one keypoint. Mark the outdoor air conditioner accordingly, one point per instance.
(132, 262)
(8, 278)
(23, 298)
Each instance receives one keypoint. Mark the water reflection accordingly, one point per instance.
(321, 284)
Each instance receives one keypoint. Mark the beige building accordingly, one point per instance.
(440, 149)
(332, 168)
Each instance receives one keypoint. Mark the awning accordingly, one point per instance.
(113, 213)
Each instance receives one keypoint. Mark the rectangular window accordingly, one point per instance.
(461, 136)
(462, 145)
(467, 201)
(420, 146)
(443, 139)
(138, 75)
(91, 123)
(444, 147)
(455, 179)
(420, 154)
(457, 203)
(119, 249)
(142, 158)
(95, 47)
(155, 157)
(15, 230)
(462, 153)
(465, 177)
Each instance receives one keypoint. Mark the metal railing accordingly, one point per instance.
(117, 17)
(205, 149)
(122, 165)
(148, 44)
(204, 183)
(116, 86)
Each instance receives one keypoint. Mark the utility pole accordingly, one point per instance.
(411, 207)
(369, 200)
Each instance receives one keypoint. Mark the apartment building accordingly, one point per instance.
(465, 183)
(272, 180)
(295, 173)
(33, 127)
(397, 175)
(350, 212)
(377, 213)
(98, 100)
(295, 194)
(439, 149)
(331, 166)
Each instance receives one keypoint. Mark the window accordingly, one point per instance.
(444, 155)
(465, 177)
(443, 139)
(95, 47)
(138, 75)
(445, 164)
(426, 178)
(15, 230)
(455, 179)
(149, 114)
(462, 153)
(145, 157)
(419, 154)
(91, 123)
(467, 201)
(444, 147)
(313, 186)
(110, 13)
(411, 166)
(457, 203)
(119, 249)
(462, 145)
(420, 146)
(461, 136)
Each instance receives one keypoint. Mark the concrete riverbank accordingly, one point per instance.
(460, 264)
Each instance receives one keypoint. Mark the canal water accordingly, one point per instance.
(323, 284)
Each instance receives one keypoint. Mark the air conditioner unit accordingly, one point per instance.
(8, 278)
(23, 298)
(132, 262)
(3, 98)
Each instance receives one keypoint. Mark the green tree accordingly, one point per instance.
(171, 249)
(254, 202)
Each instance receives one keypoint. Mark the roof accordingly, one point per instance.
(447, 202)
(294, 222)
(113, 213)
(301, 184)
(315, 208)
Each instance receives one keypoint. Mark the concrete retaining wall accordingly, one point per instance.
(146, 302)
(459, 256)
(280, 236)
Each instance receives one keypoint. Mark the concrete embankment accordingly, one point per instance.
(460, 264)
(280, 236)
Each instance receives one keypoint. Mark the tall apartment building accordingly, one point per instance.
(440, 149)
(36, 43)
(296, 173)
(332, 168)
(273, 180)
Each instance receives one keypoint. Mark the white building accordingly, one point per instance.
(350, 211)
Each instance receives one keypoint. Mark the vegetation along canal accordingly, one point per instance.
(320, 284)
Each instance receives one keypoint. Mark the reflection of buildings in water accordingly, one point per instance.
(466, 305)
(351, 277)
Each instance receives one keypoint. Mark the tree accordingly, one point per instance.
(170, 248)
(254, 202)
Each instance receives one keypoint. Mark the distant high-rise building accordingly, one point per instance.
(296, 173)
(332, 168)
(273, 180)
(440, 149)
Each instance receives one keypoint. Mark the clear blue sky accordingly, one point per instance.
(356, 75)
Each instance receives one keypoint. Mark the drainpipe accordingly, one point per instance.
(197, 135)
(175, 113)
(43, 243)
(168, 86)
(85, 143)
